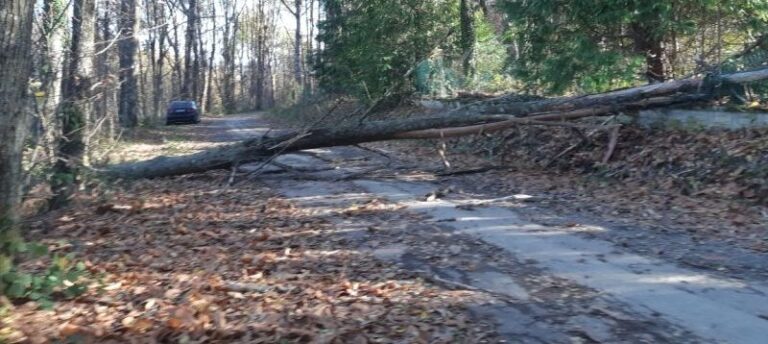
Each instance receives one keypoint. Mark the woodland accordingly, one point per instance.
(79, 79)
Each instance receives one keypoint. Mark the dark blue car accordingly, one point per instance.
(182, 111)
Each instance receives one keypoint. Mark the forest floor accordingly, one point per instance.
(380, 244)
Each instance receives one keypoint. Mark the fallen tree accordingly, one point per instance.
(466, 121)
(709, 85)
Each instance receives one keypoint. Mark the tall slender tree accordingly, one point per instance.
(128, 52)
(229, 45)
(296, 12)
(159, 54)
(189, 85)
(467, 23)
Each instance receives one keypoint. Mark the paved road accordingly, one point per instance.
(553, 285)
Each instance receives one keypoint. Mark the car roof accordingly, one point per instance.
(182, 103)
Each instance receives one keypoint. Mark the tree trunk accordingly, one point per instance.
(228, 55)
(157, 79)
(260, 71)
(459, 123)
(648, 43)
(76, 108)
(173, 41)
(199, 66)
(15, 45)
(297, 58)
(207, 98)
(310, 53)
(297, 41)
(467, 20)
(128, 52)
(189, 84)
(108, 101)
(53, 43)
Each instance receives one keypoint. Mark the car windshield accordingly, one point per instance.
(182, 104)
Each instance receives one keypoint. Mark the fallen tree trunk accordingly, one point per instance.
(260, 148)
(503, 105)
(456, 124)
(553, 116)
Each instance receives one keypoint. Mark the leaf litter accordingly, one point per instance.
(190, 260)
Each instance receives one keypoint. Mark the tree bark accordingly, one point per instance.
(458, 123)
(189, 85)
(310, 52)
(467, 21)
(128, 52)
(229, 44)
(15, 67)
(297, 40)
(157, 79)
(297, 57)
(648, 43)
(53, 38)
(207, 98)
(173, 41)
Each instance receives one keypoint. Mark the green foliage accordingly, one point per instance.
(61, 277)
(371, 47)
(435, 77)
(381, 47)
(441, 74)
(595, 45)
(491, 74)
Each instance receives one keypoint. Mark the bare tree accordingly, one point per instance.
(158, 53)
(205, 62)
(174, 42)
(189, 86)
(297, 56)
(207, 99)
(15, 45)
(310, 85)
(229, 45)
(264, 30)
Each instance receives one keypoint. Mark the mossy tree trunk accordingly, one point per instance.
(75, 109)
